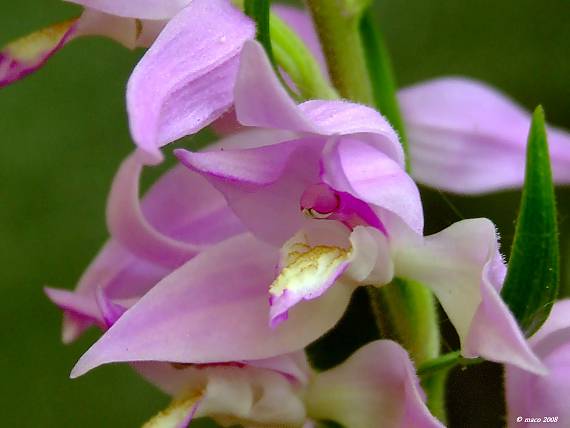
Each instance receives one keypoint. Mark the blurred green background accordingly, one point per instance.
(64, 132)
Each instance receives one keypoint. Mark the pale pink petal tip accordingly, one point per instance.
(361, 391)
(467, 137)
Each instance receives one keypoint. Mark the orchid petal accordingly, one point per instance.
(377, 383)
(458, 264)
(370, 258)
(119, 273)
(311, 262)
(466, 137)
(369, 175)
(190, 202)
(323, 256)
(181, 209)
(262, 185)
(175, 379)
(214, 309)
(356, 122)
(26, 55)
(141, 9)
(234, 394)
(257, 85)
(109, 310)
(170, 94)
(130, 33)
(82, 306)
(260, 397)
(530, 395)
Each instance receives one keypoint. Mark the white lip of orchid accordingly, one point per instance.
(327, 256)
(177, 412)
(308, 270)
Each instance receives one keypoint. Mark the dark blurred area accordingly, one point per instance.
(64, 132)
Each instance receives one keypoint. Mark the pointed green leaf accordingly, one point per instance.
(531, 286)
(381, 76)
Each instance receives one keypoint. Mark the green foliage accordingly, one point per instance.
(531, 286)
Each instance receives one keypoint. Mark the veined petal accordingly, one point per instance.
(181, 209)
(458, 264)
(368, 174)
(263, 185)
(142, 9)
(161, 234)
(376, 386)
(354, 122)
(169, 94)
(257, 87)
(214, 309)
(466, 137)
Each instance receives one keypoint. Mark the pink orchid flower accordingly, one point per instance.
(326, 206)
(531, 397)
(186, 79)
(169, 95)
(284, 391)
(464, 136)
(26, 55)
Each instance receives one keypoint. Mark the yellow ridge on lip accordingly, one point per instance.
(307, 267)
(29, 48)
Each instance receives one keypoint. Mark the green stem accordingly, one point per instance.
(410, 317)
(412, 312)
(433, 375)
(382, 77)
(434, 386)
(337, 24)
(298, 62)
(403, 310)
